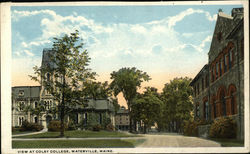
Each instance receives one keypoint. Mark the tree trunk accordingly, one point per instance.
(130, 120)
(62, 109)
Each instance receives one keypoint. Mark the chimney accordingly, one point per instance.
(237, 13)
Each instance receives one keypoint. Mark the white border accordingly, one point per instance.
(6, 76)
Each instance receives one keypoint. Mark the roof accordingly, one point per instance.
(28, 91)
(236, 28)
(100, 104)
(203, 70)
(45, 59)
(122, 111)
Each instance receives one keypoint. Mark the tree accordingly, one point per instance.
(147, 109)
(67, 73)
(97, 90)
(178, 105)
(127, 81)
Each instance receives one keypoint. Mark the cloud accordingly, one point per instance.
(28, 53)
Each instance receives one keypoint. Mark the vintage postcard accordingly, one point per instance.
(109, 77)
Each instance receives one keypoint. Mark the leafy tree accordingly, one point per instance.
(147, 109)
(97, 90)
(178, 105)
(67, 73)
(127, 81)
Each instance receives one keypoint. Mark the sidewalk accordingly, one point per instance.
(42, 131)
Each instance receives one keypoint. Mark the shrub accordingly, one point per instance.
(191, 128)
(223, 128)
(110, 127)
(71, 125)
(26, 126)
(55, 126)
(97, 127)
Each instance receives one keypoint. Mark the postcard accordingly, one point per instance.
(116, 77)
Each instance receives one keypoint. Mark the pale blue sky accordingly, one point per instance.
(167, 40)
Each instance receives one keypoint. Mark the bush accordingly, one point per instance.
(223, 128)
(55, 126)
(71, 125)
(26, 126)
(97, 127)
(110, 127)
(191, 128)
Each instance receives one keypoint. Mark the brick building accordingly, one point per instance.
(219, 86)
(122, 119)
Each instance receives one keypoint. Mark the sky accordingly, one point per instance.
(166, 41)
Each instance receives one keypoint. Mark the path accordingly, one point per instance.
(174, 140)
(42, 131)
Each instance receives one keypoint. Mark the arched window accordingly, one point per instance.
(206, 110)
(48, 77)
(35, 120)
(223, 103)
(232, 98)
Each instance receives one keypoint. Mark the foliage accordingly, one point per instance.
(71, 125)
(55, 126)
(127, 81)
(97, 90)
(67, 70)
(146, 108)
(223, 127)
(110, 127)
(97, 127)
(27, 126)
(177, 100)
(191, 128)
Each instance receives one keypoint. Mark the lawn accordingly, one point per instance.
(22, 132)
(80, 134)
(116, 143)
(229, 142)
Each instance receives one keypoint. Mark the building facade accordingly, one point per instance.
(122, 119)
(219, 86)
(44, 105)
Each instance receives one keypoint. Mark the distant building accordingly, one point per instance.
(219, 86)
(122, 119)
(100, 111)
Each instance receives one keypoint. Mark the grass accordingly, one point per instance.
(229, 142)
(79, 134)
(116, 143)
(22, 132)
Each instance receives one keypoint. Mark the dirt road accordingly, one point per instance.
(173, 140)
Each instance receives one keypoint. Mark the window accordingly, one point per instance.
(21, 93)
(21, 120)
(197, 110)
(100, 118)
(206, 110)
(220, 62)
(230, 58)
(225, 62)
(195, 91)
(217, 67)
(35, 105)
(223, 103)
(35, 120)
(202, 84)
(206, 81)
(21, 106)
(198, 88)
(48, 77)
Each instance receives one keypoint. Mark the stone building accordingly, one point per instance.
(98, 111)
(122, 119)
(219, 86)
